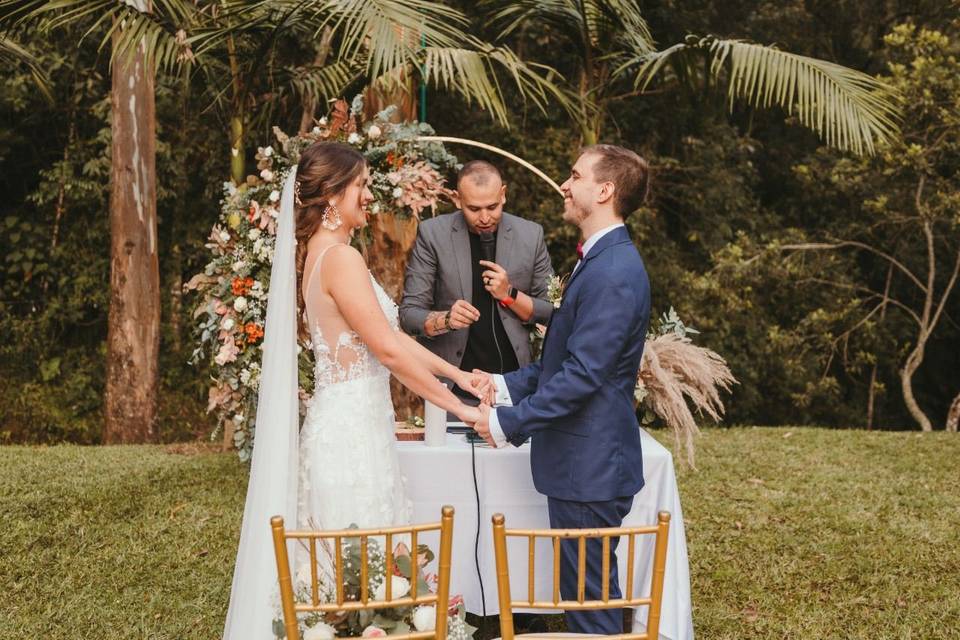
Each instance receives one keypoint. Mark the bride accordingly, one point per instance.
(341, 468)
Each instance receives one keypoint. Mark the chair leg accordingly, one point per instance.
(627, 620)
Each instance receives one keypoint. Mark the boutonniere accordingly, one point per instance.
(555, 288)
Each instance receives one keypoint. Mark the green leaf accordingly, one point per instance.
(403, 565)
(50, 369)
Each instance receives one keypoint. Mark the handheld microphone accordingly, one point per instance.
(488, 246)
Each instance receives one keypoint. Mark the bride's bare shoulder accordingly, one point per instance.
(344, 259)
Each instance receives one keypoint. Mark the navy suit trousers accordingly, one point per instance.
(566, 514)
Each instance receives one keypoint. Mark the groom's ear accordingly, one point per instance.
(607, 191)
(455, 196)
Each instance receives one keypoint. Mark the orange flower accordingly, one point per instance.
(254, 332)
(237, 286)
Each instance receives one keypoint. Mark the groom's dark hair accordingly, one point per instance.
(629, 173)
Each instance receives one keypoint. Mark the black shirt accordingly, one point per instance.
(488, 345)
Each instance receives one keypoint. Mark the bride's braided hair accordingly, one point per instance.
(325, 169)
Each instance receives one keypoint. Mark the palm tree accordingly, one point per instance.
(617, 59)
(255, 42)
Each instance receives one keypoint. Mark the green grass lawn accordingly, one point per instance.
(792, 533)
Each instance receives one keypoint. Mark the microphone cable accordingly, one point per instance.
(476, 542)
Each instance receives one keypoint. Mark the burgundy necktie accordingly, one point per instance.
(580, 250)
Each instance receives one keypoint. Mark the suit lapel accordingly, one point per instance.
(460, 242)
(505, 242)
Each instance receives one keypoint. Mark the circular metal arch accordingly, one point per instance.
(489, 147)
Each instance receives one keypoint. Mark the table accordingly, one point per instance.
(444, 475)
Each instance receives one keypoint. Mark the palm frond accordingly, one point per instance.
(12, 54)
(158, 32)
(849, 110)
(320, 83)
(473, 73)
(510, 15)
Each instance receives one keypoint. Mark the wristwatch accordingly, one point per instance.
(511, 297)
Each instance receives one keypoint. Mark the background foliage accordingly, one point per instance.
(727, 185)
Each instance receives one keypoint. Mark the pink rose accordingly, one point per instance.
(228, 353)
(373, 632)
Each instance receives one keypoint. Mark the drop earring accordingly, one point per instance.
(330, 219)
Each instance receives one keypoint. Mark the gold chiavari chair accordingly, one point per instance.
(440, 599)
(507, 604)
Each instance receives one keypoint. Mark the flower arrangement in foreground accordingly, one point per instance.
(406, 179)
(377, 622)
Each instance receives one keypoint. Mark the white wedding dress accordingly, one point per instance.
(349, 470)
(342, 468)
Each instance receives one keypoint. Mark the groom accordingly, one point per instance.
(576, 403)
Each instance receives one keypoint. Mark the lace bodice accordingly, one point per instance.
(347, 358)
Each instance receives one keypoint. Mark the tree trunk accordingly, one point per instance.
(953, 416)
(238, 152)
(310, 104)
(872, 392)
(134, 319)
(393, 237)
(906, 383)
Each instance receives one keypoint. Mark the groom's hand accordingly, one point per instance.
(482, 426)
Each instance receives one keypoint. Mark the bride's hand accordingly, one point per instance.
(469, 415)
(478, 383)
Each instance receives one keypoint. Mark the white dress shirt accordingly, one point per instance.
(503, 398)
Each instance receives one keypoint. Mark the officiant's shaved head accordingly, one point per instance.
(480, 195)
(480, 173)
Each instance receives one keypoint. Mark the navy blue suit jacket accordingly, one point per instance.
(576, 402)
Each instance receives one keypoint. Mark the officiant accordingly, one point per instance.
(476, 281)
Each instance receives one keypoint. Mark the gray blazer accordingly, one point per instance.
(439, 273)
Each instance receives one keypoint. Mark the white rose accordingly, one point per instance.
(240, 304)
(316, 130)
(257, 246)
(267, 175)
(227, 324)
(238, 265)
(401, 586)
(397, 192)
(274, 195)
(353, 138)
(375, 208)
(245, 379)
(323, 121)
(374, 132)
(267, 152)
(425, 618)
(320, 631)
(253, 234)
(224, 236)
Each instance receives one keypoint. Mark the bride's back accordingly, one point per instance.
(340, 352)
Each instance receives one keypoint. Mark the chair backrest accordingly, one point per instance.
(660, 530)
(310, 539)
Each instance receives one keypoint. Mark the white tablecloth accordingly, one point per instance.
(443, 475)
